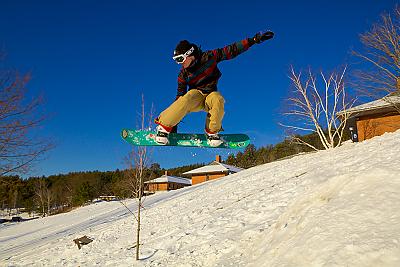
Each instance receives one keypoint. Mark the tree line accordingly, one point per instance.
(252, 156)
(59, 193)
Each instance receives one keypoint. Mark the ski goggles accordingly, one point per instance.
(182, 57)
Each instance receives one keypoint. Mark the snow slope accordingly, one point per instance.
(331, 208)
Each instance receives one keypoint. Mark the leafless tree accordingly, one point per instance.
(314, 105)
(15, 200)
(381, 75)
(40, 193)
(138, 160)
(49, 199)
(19, 118)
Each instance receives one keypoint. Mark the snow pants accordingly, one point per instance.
(194, 101)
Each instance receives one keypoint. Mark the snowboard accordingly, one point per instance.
(147, 138)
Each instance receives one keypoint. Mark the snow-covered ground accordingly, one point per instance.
(331, 208)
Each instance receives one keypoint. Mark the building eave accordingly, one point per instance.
(384, 105)
(208, 169)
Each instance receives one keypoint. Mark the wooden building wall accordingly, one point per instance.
(199, 178)
(163, 186)
(157, 187)
(370, 126)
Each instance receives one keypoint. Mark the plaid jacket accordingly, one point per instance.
(204, 75)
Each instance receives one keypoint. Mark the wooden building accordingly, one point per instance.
(374, 118)
(108, 198)
(215, 170)
(166, 183)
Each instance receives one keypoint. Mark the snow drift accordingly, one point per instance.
(332, 208)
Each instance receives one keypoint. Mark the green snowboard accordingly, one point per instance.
(146, 138)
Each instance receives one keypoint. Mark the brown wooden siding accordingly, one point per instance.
(157, 187)
(370, 126)
(200, 178)
(163, 186)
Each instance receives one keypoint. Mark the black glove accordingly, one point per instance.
(262, 36)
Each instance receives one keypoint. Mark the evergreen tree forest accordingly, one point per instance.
(60, 193)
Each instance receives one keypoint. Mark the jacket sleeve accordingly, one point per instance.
(182, 85)
(233, 50)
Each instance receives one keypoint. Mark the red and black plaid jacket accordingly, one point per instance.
(204, 74)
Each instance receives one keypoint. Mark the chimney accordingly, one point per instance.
(166, 173)
(218, 158)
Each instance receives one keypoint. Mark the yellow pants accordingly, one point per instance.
(194, 101)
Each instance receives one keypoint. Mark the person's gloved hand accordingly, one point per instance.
(262, 36)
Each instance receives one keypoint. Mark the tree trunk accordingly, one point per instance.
(138, 227)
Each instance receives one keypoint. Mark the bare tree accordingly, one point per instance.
(49, 199)
(138, 160)
(314, 107)
(381, 76)
(19, 119)
(40, 193)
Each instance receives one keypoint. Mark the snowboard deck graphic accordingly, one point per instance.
(147, 138)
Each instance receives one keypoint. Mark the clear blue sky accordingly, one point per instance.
(92, 60)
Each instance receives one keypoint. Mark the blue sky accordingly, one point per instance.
(92, 60)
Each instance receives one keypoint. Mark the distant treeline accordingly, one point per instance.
(252, 156)
(58, 193)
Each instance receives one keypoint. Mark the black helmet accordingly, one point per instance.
(184, 46)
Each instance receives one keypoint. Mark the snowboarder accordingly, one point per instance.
(200, 73)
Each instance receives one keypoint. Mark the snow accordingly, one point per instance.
(332, 208)
(170, 179)
(388, 101)
(214, 167)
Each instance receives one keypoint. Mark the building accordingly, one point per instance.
(212, 171)
(374, 118)
(166, 183)
(108, 198)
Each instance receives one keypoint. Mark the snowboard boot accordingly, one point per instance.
(162, 135)
(213, 139)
